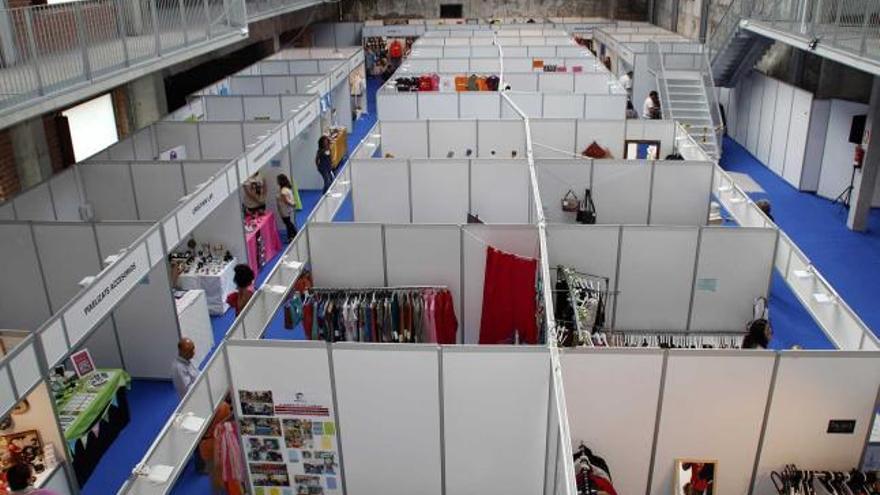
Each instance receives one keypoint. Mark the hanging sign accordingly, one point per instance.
(841, 426)
(109, 287)
(202, 203)
(263, 152)
(304, 118)
(338, 76)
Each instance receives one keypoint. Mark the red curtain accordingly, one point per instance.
(508, 299)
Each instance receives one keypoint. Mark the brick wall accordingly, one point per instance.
(9, 183)
(55, 25)
(121, 111)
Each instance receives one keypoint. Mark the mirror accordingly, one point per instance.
(695, 477)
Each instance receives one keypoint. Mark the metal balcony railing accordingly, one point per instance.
(47, 49)
(260, 9)
(852, 26)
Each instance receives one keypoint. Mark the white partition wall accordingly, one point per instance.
(733, 269)
(706, 415)
(373, 181)
(752, 412)
(486, 396)
(434, 402)
(25, 304)
(389, 415)
(812, 388)
(458, 137)
(655, 278)
(622, 191)
(440, 190)
(617, 418)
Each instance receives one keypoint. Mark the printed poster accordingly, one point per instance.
(290, 443)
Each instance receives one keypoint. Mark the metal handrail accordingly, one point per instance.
(47, 49)
(849, 25)
(657, 66)
(727, 191)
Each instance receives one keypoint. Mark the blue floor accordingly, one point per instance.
(152, 402)
(849, 260)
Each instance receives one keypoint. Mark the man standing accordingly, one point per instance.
(183, 373)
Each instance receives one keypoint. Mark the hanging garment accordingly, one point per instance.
(492, 82)
(447, 84)
(508, 299)
(435, 82)
(461, 83)
(482, 85)
(395, 49)
(445, 321)
(425, 83)
(227, 457)
(472, 84)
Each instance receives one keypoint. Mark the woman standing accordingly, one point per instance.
(244, 279)
(286, 205)
(323, 162)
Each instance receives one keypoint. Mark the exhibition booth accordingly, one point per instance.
(441, 190)
(747, 413)
(490, 137)
(168, 192)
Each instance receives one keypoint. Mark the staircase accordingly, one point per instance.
(687, 95)
(688, 103)
(737, 56)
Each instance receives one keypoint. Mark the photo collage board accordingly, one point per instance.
(290, 443)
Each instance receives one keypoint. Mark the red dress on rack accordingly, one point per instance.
(509, 299)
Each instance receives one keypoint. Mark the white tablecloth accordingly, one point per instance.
(192, 313)
(216, 287)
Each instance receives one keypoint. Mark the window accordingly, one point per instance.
(451, 11)
(92, 126)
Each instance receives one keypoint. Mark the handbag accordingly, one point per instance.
(570, 202)
(586, 213)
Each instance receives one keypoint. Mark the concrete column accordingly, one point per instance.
(866, 177)
(147, 99)
(32, 158)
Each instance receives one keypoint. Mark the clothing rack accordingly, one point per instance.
(400, 314)
(794, 481)
(588, 296)
(395, 288)
(672, 340)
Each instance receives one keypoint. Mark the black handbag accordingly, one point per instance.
(586, 213)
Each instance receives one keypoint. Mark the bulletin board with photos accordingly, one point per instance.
(290, 443)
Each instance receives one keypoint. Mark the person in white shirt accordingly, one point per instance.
(286, 205)
(183, 372)
(651, 107)
(627, 82)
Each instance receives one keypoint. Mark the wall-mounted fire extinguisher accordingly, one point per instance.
(859, 156)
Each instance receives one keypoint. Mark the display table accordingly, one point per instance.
(195, 324)
(338, 145)
(263, 241)
(216, 286)
(92, 417)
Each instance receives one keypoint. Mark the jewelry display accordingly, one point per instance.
(206, 260)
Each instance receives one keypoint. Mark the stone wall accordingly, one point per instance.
(430, 9)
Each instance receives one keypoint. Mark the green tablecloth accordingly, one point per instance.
(79, 410)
